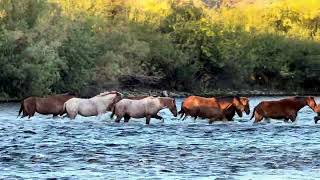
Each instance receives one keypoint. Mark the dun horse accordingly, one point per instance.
(156, 116)
(196, 106)
(282, 109)
(46, 105)
(94, 106)
(146, 107)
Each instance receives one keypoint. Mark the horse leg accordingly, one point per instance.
(118, 119)
(24, 114)
(156, 116)
(211, 120)
(181, 115)
(195, 118)
(148, 118)
(31, 114)
(72, 115)
(126, 118)
(293, 118)
(184, 118)
(257, 117)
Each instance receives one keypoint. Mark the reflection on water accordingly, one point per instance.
(98, 148)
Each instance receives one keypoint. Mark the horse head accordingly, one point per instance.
(170, 103)
(245, 102)
(311, 103)
(117, 96)
(239, 106)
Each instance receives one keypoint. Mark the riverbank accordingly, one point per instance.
(249, 93)
(182, 94)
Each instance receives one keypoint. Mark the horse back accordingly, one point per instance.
(132, 107)
(197, 101)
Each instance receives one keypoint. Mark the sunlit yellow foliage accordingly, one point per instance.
(292, 18)
(76, 8)
(151, 11)
(2, 14)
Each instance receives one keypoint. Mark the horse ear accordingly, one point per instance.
(119, 94)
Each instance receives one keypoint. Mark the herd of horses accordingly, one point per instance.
(214, 108)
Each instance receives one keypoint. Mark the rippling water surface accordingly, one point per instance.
(96, 147)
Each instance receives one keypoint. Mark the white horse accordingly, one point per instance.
(146, 107)
(94, 106)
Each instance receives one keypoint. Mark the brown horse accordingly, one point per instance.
(230, 112)
(196, 106)
(213, 113)
(46, 105)
(282, 109)
(145, 107)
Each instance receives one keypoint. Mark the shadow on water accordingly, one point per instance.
(43, 147)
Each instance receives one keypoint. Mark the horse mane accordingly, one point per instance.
(228, 98)
(165, 99)
(107, 93)
(299, 97)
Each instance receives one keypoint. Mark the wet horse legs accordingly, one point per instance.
(316, 119)
(118, 119)
(257, 117)
(148, 119)
(126, 118)
(156, 116)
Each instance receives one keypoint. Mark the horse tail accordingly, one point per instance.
(113, 111)
(64, 109)
(21, 108)
(182, 112)
(254, 110)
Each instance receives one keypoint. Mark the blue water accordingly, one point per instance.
(98, 148)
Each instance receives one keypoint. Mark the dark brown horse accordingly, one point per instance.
(282, 109)
(196, 106)
(46, 105)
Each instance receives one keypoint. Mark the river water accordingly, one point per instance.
(98, 148)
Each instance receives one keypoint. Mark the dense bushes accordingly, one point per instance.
(56, 46)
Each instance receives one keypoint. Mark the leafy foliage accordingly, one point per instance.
(66, 45)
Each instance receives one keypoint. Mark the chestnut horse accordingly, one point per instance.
(94, 106)
(46, 105)
(195, 106)
(282, 109)
(229, 114)
(145, 107)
